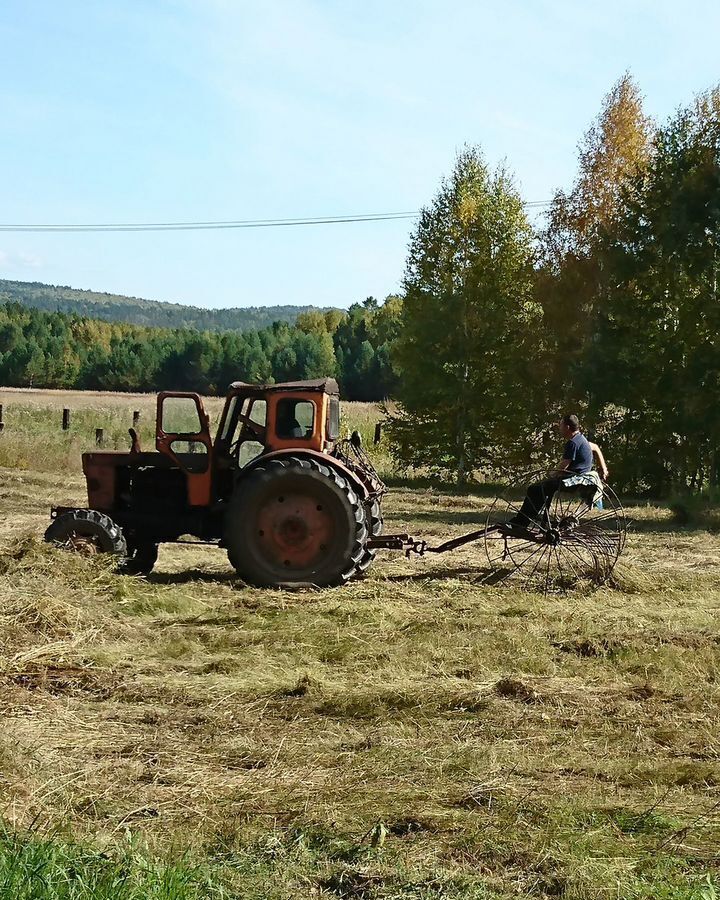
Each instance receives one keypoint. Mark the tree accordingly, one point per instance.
(466, 348)
(615, 150)
(312, 322)
(362, 341)
(652, 373)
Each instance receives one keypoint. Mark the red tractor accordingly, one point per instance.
(276, 487)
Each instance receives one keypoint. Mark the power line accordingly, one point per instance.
(221, 225)
(201, 226)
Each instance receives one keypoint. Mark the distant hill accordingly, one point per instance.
(117, 308)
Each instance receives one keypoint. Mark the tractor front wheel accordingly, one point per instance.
(295, 520)
(88, 532)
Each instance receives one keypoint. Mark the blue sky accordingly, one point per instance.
(216, 110)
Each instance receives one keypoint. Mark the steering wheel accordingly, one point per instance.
(254, 428)
(257, 429)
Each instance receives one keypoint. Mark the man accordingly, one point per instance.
(287, 423)
(577, 459)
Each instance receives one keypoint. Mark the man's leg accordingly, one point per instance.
(536, 503)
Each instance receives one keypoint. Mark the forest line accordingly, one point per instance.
(61, 350)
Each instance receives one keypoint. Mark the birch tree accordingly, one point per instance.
(466, 352)
(615, 150)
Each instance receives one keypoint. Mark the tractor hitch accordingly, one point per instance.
(404, 542)
(454, 543)
(409, 544)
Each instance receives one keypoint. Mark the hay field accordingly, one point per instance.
(418, 734)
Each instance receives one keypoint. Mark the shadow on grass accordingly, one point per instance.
(640, 525)
(444, 487)
(448, 517)
(492, 490)
(482, 575)
(665, 526)
(192, 575)
(202, 622)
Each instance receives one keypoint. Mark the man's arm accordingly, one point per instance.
(602, 465)
(564, 464)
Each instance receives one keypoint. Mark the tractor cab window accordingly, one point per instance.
(258, 412)
(295, 418)
(230, 419)
(333, 421)
(249, 428)
(192, 454)
(180, 416)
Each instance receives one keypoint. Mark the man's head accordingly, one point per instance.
(569, 425)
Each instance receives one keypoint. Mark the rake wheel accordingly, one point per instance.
(576, 541)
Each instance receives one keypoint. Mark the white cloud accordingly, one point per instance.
(10, 259)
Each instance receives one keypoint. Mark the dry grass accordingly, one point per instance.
(417, 734)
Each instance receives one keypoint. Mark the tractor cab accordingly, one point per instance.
(256, 420)
(270, 418)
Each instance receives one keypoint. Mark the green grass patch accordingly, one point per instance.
(40, 868)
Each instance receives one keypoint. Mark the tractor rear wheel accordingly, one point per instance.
(374, 520)
(294, 520)
(88, 532)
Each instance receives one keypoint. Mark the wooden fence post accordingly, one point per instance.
(99, 438)
(378, 433)
(136, 418)
(2, 424)
(66, 420)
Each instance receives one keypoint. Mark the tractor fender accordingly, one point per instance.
(322, 458)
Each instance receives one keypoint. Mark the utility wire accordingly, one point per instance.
(204, 226)
(216, 226)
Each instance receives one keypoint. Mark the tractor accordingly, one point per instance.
(277, 488)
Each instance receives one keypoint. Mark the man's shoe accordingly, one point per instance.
(520, 522)
(525, 523)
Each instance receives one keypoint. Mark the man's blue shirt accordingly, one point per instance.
(578, 452)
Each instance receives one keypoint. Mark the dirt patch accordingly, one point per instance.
(515, 689)
(588, 647)
(67, 680)
(407, 827)
(353, 885)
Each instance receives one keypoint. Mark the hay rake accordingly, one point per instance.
(579, 539)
